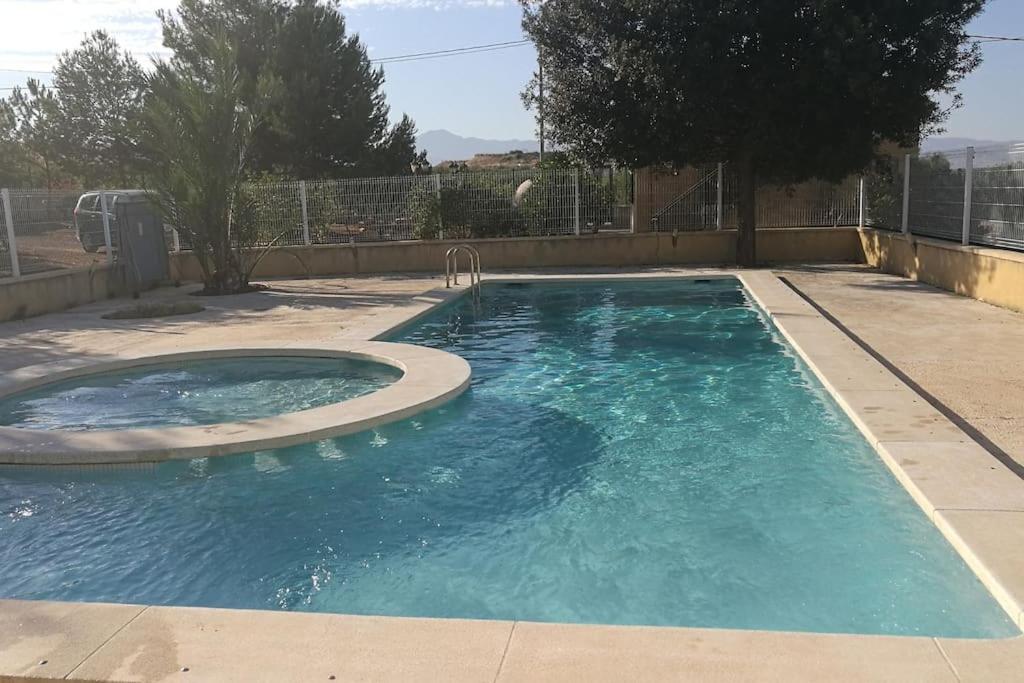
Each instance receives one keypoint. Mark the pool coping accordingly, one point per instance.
(975, 501)
(430, 377)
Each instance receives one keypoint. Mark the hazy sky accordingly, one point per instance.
(475, 95)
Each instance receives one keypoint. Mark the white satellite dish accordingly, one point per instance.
(521, 191)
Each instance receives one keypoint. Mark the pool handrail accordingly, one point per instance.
(451, 267)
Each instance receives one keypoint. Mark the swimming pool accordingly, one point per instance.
(197, 392)
(648, 453)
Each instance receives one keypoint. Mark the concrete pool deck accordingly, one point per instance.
(975, 500)
(966, 354)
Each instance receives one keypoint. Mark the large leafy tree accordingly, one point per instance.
(97, 110)
(331, 119)
(783, 90)
(198, 138)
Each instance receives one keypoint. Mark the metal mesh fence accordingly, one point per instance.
(697, 207)
(363, 209)
(991, 179)
(809, 205)
(6, 263)
(46, 235)
(997, 196)
(50, 234)
(806, 205)
(276, 212)
(522, 203)
(936, 206)
(883, 194)
(506, 203)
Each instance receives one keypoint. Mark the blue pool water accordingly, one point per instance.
(627, 454)
(194, 393)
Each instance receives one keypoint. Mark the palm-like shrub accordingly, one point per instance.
(198, 133)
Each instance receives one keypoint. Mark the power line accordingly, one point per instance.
(397, 59)
(458, 54)
(997, 39)
(411, 57)
(22, 87)
(470, 49)
(491, 47)
(28, 71)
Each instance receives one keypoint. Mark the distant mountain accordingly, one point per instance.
(443, 145)
(987, 152)
(942, 144)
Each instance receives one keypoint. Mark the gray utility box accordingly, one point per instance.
(142, 249)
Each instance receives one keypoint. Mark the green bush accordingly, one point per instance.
(425, 214)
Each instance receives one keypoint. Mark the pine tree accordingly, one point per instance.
(35, 141)
(98, 105)
(331, 119)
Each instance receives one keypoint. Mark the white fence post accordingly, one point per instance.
(106, 227)
(305, 213)
(720, 200)
(860, 207)
(906, 194)
(12, 244)
(968, 191)
(576, 199)
(175, 240)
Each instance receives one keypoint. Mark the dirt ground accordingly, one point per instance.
(54, 249)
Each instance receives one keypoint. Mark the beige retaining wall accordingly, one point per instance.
(995, 276)
(55, 291)
(797, 245)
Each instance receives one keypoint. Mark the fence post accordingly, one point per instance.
(12, 244)
(440, 206)
(576, 200)
(719, 201)
(305, 213)
(106, 228)
(860, 217)
(906, 195)
(968, 191)
(175, 240)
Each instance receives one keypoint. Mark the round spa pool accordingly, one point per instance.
(196, 392)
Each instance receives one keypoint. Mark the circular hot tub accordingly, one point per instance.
(195, 392)
(212, 402)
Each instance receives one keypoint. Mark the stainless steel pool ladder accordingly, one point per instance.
(451, 267)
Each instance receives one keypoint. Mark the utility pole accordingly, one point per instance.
(540, 99)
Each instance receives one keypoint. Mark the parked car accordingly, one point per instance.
(89, 217)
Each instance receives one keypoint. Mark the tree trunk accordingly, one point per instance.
(746, 243)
